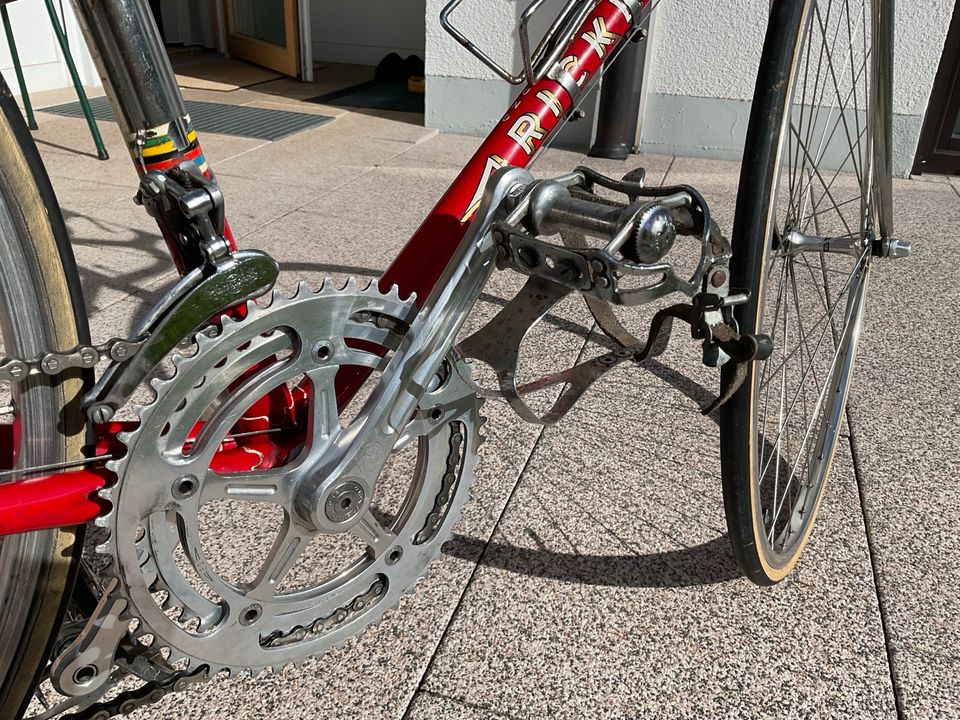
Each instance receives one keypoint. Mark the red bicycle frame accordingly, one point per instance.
(69, 498)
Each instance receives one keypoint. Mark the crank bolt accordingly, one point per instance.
(185, 486)
(393, 557)
(322, 352)
(250, 615)
(344, 502)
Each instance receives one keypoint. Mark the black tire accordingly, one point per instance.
(771, 222)
(41, 308)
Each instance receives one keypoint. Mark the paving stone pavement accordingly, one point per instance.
(591, 575)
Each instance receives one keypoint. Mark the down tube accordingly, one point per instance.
(537, 113)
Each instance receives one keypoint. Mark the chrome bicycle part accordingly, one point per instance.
(537, 62)
(53, 363)
(644, 227)
(197, 297)
(380, 427)
(649, 220)
(174, 583)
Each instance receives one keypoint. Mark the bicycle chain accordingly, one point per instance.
(147, 694)
(16, 370)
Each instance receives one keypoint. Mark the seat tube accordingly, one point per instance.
(130, 56)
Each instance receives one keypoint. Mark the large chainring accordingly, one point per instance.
(168, 546)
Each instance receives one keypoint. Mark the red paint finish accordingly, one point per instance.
(68, 498)
(537, 112)
(49, 502)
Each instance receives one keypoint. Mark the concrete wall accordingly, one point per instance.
(464, 95)
(704, 61)
(701, 83)
(40, 55)
(363, 32)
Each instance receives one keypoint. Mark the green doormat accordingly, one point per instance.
(374, 95)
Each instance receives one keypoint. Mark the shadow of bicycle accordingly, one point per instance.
(706, 564)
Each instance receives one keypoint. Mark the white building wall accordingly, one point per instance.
(40, 56)
(704, 61)
(701, 83)
(348, 31)
(463, 95)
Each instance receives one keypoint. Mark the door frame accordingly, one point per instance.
(262, 52)
(938, 151)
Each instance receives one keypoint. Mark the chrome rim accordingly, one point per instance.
(815, 271)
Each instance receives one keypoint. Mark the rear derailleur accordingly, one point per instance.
(634, 267)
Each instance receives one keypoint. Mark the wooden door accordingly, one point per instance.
(264, 32)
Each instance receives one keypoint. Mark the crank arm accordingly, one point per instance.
(85, 664)
(200, 295)
(360, 451)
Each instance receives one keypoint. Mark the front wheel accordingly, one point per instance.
(814, 196)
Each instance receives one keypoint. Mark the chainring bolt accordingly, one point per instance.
(185, 486)
(345, 502)
(322, 352)
(250, 615)
(393, 557)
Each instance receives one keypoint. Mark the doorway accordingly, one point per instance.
(264, 32)
(939, 150)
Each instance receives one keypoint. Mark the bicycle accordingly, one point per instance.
(254, 400)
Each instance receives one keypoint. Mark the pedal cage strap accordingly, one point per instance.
(498, 345)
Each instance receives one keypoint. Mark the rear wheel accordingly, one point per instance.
(814, 195)
(40, 309)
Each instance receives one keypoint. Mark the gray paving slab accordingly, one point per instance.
(428, 706)
(609, 589)
(904, 414)
(328, 156)
(119, 251)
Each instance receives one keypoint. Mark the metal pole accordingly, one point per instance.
(127, 48)
(68, 58)
(620, 97)
(28, 108)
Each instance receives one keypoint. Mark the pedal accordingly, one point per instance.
(639, 232)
